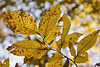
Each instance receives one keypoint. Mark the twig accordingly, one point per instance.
(66, 57)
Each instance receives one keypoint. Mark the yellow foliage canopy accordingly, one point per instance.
(20, 22)
(29, 48)
(5, 63)
(48, 22)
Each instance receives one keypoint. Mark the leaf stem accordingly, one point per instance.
(66, 57)
(69, 59)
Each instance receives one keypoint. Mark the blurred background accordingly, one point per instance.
(84, 16)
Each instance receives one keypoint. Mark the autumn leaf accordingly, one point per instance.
(57, 45)
(71, 38)
(87, 42)
(66, 26)
(82, 57)
(5, 63)
(52, 34)
(20, 22)
(31, 49)
(56, 60)
(72, 49)
(48, 22)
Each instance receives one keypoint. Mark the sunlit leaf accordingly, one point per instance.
(65, 45)
(48, 22)
(56, 60)
(82, 57)
(71, 38)
(52, 34)
(31, 49)
(66, 26)
(5, 63)
(57, 45)
(20, 22)
(72, 49)
(87, 42)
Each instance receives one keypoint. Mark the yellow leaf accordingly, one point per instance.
(87, 42)
(52, 34)
(31, 49)
(66, 26)
(82, 57)
(65, 45)
(72, 49)
(48, 22)
(56, 60)
(20, 22)
(71, 38)
(5, 63)
(57, 45)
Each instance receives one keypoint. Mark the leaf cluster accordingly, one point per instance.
(49, 29)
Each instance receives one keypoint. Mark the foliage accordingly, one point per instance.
(49, 29)
(5, 63)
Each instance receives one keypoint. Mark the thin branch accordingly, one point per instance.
(69, 59)
(66, 57)
(39, 34)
